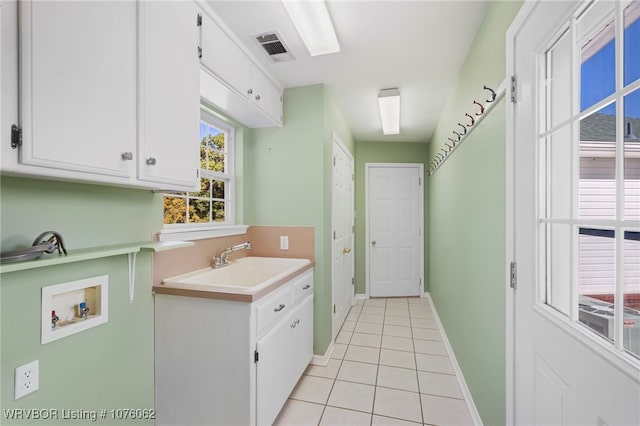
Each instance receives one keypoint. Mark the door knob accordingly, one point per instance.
(373, 243)
(346, 250)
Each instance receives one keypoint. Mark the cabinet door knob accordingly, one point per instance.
(306, 287)
(127, 156)
(151, 161)
(257, 97)
(373, 243)
(250, 92)
(279, 308)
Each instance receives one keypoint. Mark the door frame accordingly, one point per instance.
(510, 233)
(336, 141)
(367, 238)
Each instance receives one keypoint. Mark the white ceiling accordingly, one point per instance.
(416, 46)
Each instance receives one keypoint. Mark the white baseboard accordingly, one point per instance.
(361, 296)
(323, 360)
(473, 410)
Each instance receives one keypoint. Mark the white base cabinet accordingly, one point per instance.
(220, 362)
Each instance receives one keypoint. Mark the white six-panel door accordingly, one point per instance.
(394, 229)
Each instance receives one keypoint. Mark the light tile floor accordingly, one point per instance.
(389, 366)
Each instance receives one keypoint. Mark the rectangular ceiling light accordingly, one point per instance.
(312, 20)
(389, 103)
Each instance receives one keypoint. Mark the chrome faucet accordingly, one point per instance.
(222, 259)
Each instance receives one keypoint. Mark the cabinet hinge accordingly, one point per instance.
(334, 308)
(419, 181)
(16, 136)
(514, 89)
(334, 235)
(199, 52)
(255, 356)
(334, 160)
(199, 20)
(353, 280)
(513, 281)
(353, 229)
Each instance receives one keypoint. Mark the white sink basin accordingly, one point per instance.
(246, 275)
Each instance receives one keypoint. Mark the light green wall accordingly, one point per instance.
(385, 152)
(109, 366)
(467, 241)
(288, 181)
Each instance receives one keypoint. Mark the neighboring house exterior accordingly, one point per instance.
(596, 200)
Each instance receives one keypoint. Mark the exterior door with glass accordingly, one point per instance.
(574, 214)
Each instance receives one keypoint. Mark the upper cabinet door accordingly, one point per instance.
(169, 81)
(78, 85)
(222, 57)
(266, 95)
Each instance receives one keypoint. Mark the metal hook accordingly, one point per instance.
(493, 94)
(463, 128)
(449, 146)
(481, 108)
(473, 120)
(458, 135)
(454, 142)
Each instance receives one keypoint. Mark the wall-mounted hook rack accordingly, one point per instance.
(444, 153)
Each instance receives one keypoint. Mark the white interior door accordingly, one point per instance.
(343, 228)
(559, 369)
(394, 229)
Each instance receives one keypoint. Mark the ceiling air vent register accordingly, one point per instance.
(273, 45)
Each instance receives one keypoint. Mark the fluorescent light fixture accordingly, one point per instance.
(389, 103)
(311, 19)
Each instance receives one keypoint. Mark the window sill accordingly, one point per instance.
(201, 233)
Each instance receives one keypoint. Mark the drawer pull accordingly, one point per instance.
(279, 308)
(306, 287)
(295, 323)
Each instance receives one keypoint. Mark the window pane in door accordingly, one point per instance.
(632, 156)
(631, 326)
(559, 81)
(597, 185)
(597, 71)
(558, 249)
(596, 279)
(632, 42)
(557, 152)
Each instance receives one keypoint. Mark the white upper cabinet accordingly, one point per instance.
(78, 86)
(223, 58)
(241, 89)
(109, 92)
(169, 92)
(265, 94)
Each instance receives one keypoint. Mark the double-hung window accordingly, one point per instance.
(212, 205)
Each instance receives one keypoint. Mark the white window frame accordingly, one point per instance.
(619, 225)
(195, 231)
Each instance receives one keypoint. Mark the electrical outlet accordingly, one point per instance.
(27, 379)
(284, 242)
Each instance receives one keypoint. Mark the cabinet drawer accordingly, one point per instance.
(302, 286)
(273, 308)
